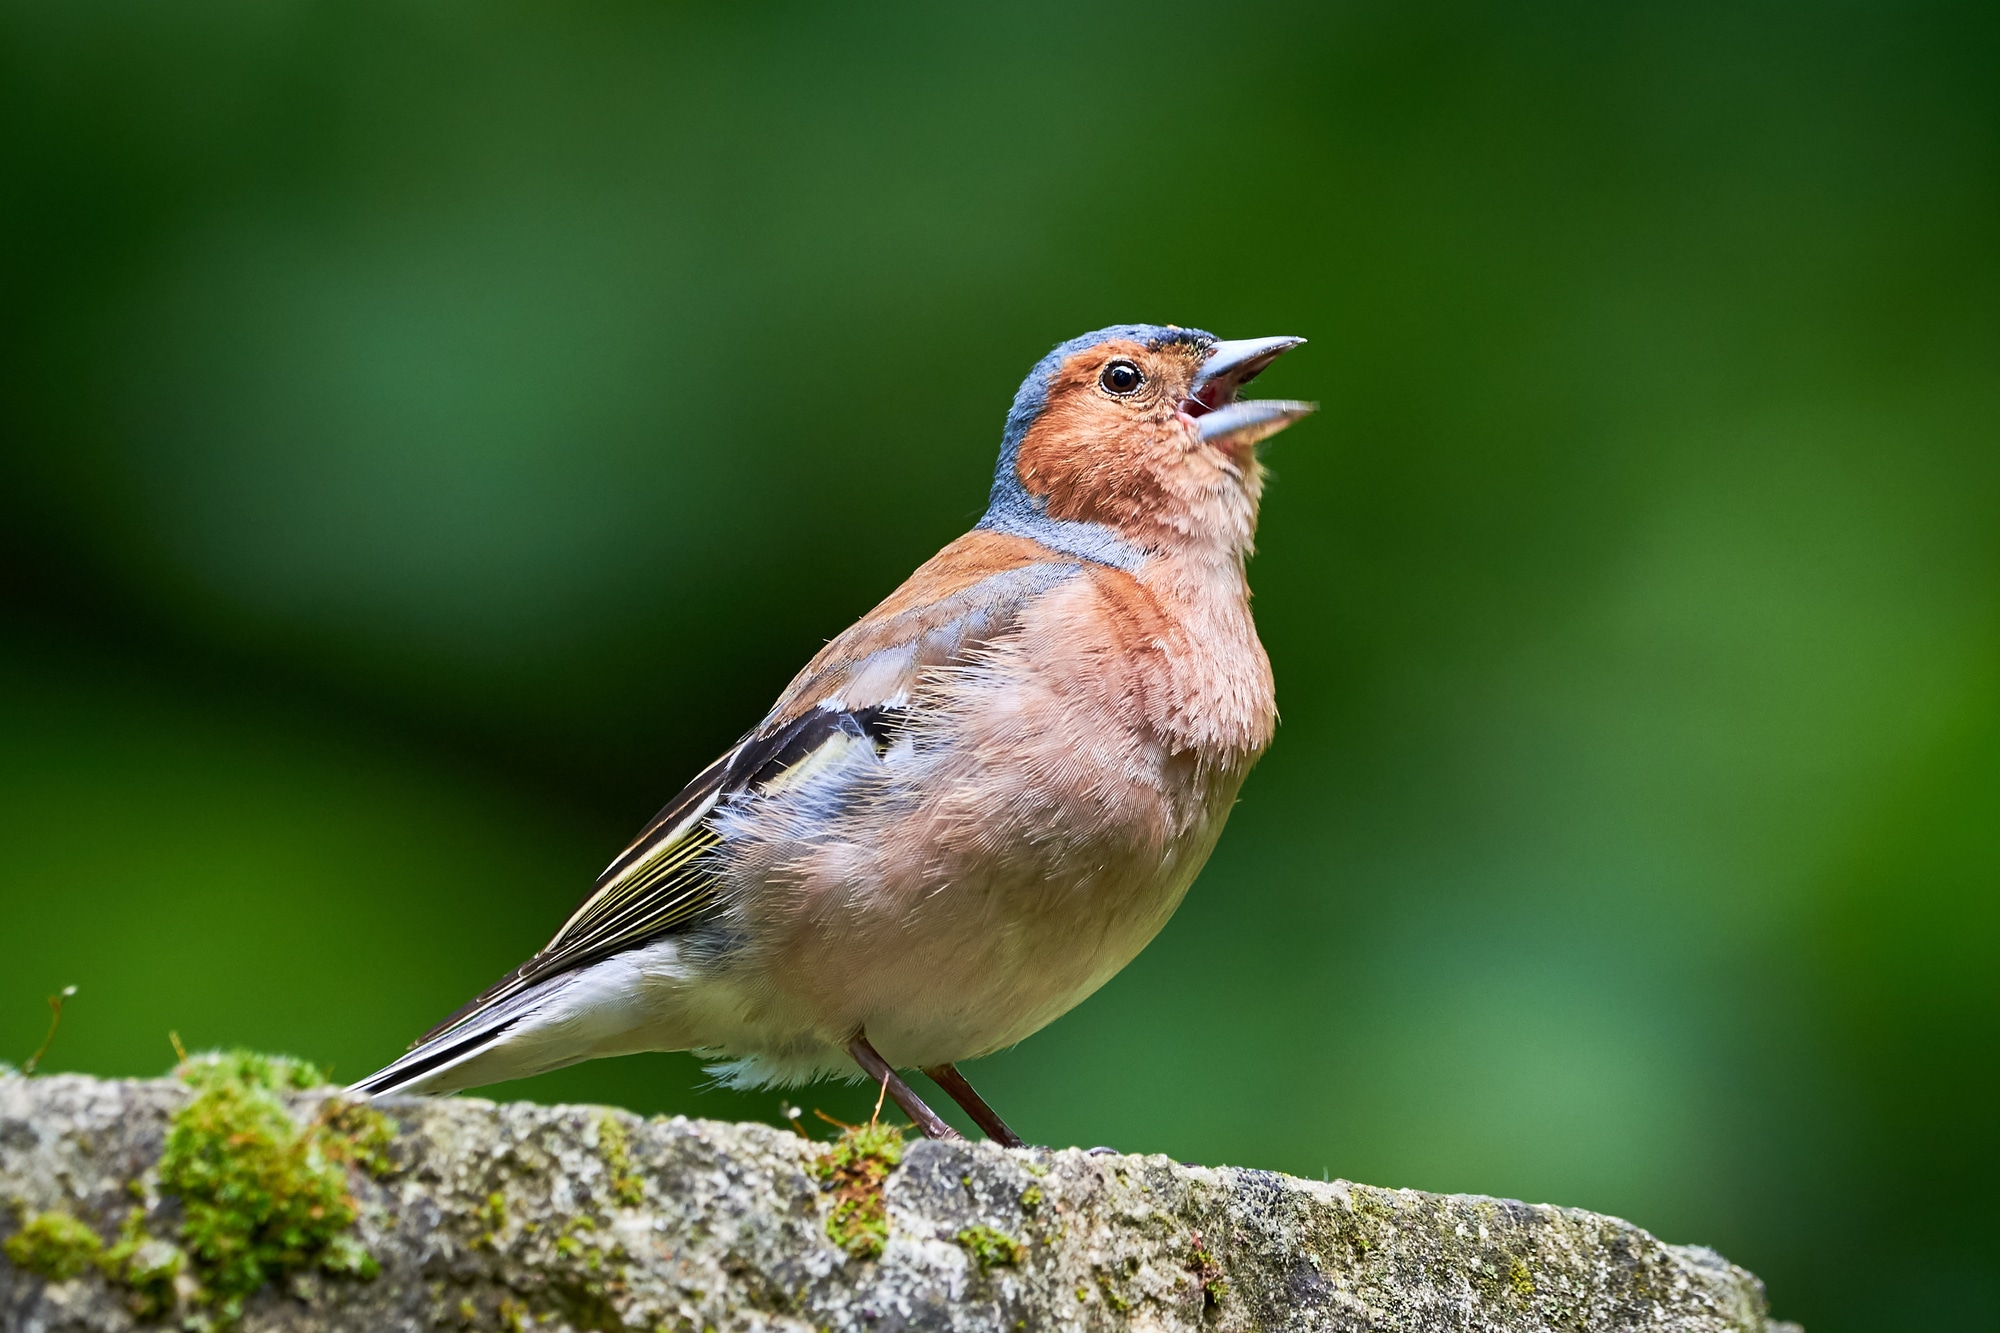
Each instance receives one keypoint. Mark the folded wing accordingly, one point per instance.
(856, 691)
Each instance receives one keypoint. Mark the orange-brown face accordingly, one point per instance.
(1117, 442)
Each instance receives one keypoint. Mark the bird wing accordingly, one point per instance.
(857, 690)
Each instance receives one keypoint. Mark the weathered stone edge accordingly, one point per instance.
(729, 1230)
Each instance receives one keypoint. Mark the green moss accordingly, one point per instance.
(261, 1197)
(614, 1144)
(582, 1295)
(367, 1134)
(54, 1245)
(493, 1214)
(248, 1069)
(1031, 1198)
(990, 1248)
(855, 1168)
(1207, 1270)
(581, 1291)
(574, 1244)
(1368, 1217)
(59, 1247)
(145, 1265)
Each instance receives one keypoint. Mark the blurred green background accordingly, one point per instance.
(432, 432)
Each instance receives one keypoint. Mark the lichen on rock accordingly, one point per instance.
(494, 1217)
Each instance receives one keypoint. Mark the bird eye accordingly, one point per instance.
(1121, 377)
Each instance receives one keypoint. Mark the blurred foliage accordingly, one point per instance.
(429, 433)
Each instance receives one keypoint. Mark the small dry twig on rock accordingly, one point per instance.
(55, 1020)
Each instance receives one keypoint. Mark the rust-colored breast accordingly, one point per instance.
(1187, 656)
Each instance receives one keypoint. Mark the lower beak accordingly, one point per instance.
(1241, 425)
(1219, 417)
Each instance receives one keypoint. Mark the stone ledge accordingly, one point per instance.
(516, 1216)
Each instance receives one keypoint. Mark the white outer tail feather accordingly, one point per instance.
(603, 1009)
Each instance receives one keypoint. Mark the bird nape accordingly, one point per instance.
(972, 807)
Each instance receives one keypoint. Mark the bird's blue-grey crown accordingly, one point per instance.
(1011, 507)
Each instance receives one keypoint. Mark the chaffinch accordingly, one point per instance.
(974, 806)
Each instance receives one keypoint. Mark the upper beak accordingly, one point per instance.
(1219, 417)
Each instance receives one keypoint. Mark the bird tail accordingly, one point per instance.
(613, 1007)
(448, 1059)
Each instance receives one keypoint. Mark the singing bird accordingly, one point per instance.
(975, 805)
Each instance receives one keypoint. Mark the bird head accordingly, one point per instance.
(1138, 429)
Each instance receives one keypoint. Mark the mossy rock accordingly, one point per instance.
(488, 1217)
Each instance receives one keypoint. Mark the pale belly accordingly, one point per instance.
(945, 929)
(961, 980)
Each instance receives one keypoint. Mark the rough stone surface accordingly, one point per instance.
(505, 1217)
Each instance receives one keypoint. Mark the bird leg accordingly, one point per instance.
(878, 1070)
(953, 1082)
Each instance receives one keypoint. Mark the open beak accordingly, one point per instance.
(1219, 418)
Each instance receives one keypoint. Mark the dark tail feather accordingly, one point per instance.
(475, 1028)
(430, 1057)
